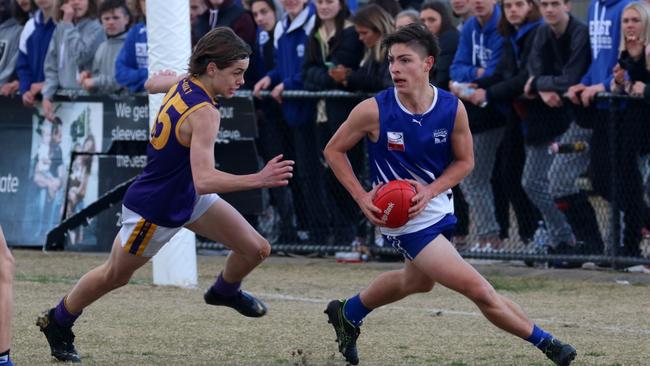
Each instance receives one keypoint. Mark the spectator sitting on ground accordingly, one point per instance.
(115, 18)
(77, 36)
(34, 42)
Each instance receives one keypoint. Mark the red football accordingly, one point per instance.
(394, 201)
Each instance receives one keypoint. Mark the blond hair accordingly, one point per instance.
(379, 21)
(644, 12)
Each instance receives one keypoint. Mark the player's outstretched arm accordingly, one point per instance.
(463, 163)
(201, 130)
(362, 121)
(162, 81)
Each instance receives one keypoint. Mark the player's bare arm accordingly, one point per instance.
(463, 151)
(363, 121)
(200, 132)
(162, 81)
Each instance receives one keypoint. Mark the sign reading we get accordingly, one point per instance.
(135, 112)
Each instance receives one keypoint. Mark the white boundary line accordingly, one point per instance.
(613, 329)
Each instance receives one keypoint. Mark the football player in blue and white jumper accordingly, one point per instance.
(418, 133)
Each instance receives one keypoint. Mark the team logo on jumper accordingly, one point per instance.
(263, 37)
(300, 50)
(395, 141)
(600, 31)
(440, 136)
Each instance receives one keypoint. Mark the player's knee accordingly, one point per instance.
(263, 249)
(257, 248)
(482, 294)
(7, 268)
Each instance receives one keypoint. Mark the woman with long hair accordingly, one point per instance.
(274, 133)
(372, 24)
(517, 25)
(632, 77)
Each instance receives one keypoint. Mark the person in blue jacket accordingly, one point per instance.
(604, 22)
(290, 42)
(477, 56)
(34, 43)
(479, 49)
(604, 34)
(131, 64)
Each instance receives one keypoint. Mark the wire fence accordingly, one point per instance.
(596, 170)
(579, 195)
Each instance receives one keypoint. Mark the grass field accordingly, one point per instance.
(606, 315)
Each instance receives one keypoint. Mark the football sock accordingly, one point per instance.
(538, 336)
(63, 317)
(223, 288)
(354, 311)
(5, 360)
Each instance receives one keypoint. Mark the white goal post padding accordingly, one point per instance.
(169, 48)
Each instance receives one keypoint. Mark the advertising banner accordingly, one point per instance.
(37, 156)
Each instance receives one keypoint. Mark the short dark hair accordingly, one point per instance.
(270, 3)
(442, 8)
(110, 5)
(220, 46)
(415, 34)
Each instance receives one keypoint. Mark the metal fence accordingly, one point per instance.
(606, 162)
(603, 165)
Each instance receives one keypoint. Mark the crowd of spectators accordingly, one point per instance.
(528, 71)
